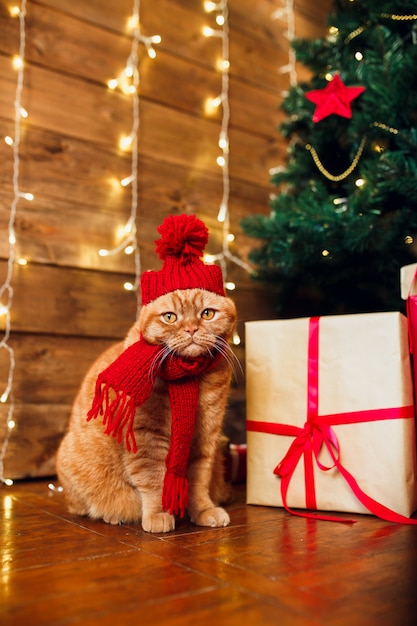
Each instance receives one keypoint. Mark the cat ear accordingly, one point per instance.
(182, 235)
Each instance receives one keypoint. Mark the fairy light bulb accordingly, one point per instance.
(128, 227)
(133, 21)
(126, 181)
(208, 32)
(17, 62)
(112, 83)
(209, 7)
(223, 143)
(221, 216)
(8, 140)
(222, 65)
(125, 142)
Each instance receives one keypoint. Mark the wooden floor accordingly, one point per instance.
(267, 567)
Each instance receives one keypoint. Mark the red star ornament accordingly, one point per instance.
(334, 98)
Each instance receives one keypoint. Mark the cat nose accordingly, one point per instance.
(191, 330)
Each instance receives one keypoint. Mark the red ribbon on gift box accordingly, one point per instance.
(316, 433)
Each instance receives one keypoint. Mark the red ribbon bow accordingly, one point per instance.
(317, 434)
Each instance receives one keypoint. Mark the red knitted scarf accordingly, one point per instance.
(128, 382)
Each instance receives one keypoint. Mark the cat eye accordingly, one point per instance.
(169, 317)
(208, 314)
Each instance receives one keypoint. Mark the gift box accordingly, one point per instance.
(330, 415)
(408, 280)
(407, 274)
(235, 463)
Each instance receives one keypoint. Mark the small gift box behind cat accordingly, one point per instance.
(143, 442)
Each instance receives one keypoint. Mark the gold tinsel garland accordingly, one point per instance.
(356, 159)
(344, 174)
(387, 16)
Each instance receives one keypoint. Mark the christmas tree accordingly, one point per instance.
(344, 217)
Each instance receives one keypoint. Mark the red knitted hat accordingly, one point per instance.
(182, 243)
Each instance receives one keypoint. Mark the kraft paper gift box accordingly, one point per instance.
(407, 273)
(330, 402)
(408, 280)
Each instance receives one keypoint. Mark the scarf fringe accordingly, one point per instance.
(118, 413)
(175, 494)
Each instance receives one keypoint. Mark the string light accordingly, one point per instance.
(212, 104)
(128, 82)
(223, 216)
(6, 289)
(287, 12)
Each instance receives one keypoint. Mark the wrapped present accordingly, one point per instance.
(408, 278)
(235, 463)
(330, 415)
(407, 274)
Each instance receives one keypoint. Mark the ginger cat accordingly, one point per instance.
(101, 478)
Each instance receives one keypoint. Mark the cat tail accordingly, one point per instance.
(175, 494)
(118, 410)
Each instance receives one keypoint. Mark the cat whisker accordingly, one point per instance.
(158, 359)
(225, 350)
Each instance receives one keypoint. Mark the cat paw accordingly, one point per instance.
(114, 520)
(158, 523)
(215, 517)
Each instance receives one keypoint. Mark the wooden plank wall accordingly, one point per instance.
(69, 303)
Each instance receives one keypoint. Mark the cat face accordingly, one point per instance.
(189, 322)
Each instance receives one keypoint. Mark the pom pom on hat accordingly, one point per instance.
(184, 236)
(182, 243)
